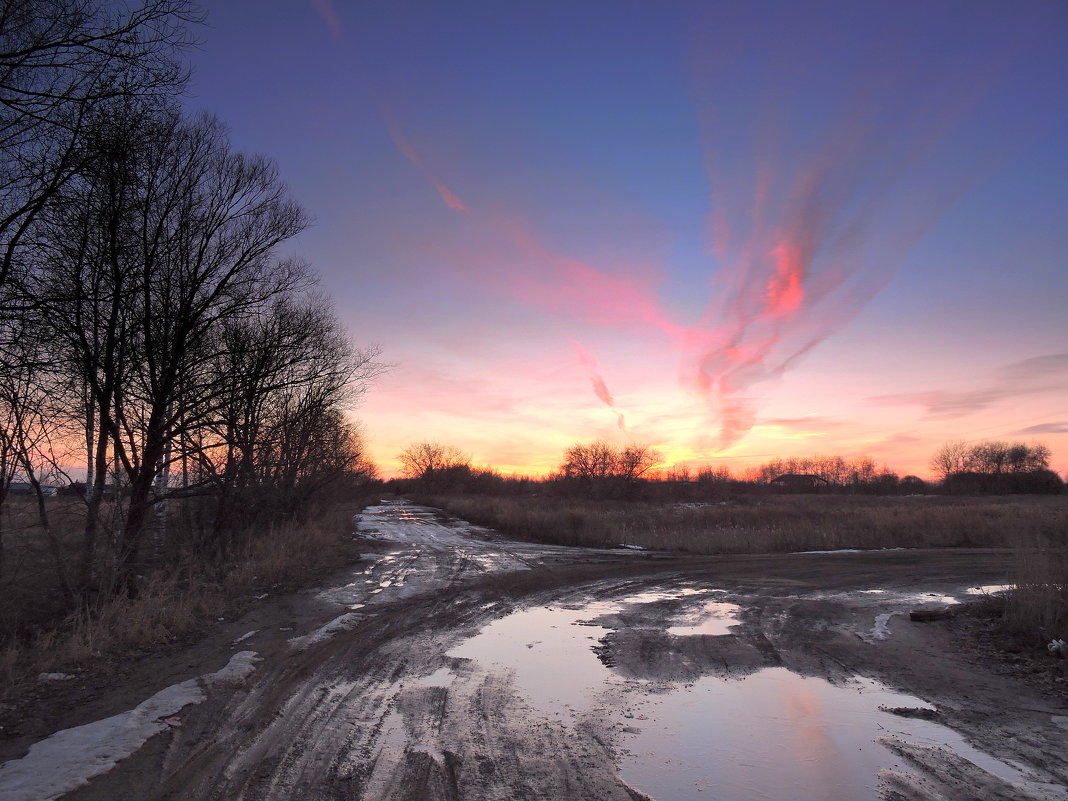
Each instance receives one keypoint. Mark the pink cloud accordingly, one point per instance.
(326, 11)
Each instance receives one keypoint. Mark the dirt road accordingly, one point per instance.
(459, 665)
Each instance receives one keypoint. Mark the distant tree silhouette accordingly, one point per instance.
(425, 459)
(995, 466)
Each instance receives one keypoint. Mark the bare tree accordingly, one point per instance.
(990, 457)
(600, 459)
(63, 64)
(634, 461)
(286, 376)
(423, 459)
(166, 236)
(589, 460)
(60, 61)
(952, 457)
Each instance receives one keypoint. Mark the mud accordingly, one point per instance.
(453, 664)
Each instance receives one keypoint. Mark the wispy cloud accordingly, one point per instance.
(807, 422)
(1040, 375)
(405, 147)
(1043, 428)
(600, 389)
(330, 17)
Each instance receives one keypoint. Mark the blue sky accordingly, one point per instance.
(910, 236)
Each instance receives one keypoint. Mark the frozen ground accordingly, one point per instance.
(454, 664)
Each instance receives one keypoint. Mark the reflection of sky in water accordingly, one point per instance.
(554, 666)
(549, 649)
(773, 736)
(778, 736)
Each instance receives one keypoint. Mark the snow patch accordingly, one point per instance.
(345, 622)
(70, 758)
(246, 635)
(881, 629)
(849, 550)
(989, 589)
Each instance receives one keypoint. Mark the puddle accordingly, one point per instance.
(549, 652)
(773, 736)
(714, 619)
(778, 736)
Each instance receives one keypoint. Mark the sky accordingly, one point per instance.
(730, 230)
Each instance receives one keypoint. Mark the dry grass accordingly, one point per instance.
(1035, 527)
(772, 524)
(1039, 601)
(176, 601)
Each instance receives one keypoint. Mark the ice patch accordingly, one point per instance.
(345, 622)
(989, 589)
(849, 550)
(881, 629)
(70, 758)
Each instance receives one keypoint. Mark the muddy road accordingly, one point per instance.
(453, 664)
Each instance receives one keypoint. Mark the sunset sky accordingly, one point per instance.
(731, 230)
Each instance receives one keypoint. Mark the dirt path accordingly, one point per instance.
(453, 664)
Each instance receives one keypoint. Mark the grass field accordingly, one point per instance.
(775, 523)
(1034, 527)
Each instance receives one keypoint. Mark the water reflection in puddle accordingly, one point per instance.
(549, 653)
(778, 736)
(774, 735)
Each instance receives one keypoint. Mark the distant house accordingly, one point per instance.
(799, 482)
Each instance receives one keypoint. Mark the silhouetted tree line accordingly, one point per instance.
(601, 470)
(996, 467)
(831, 474)
(149, 329)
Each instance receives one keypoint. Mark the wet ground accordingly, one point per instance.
(454, 664)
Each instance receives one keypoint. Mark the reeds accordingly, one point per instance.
(1038, 603)
(770, 524)
(1036, 528)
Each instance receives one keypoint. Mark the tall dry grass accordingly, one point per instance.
(175, 601)
(1038, 602)
(1035, 527)
(771, 524)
